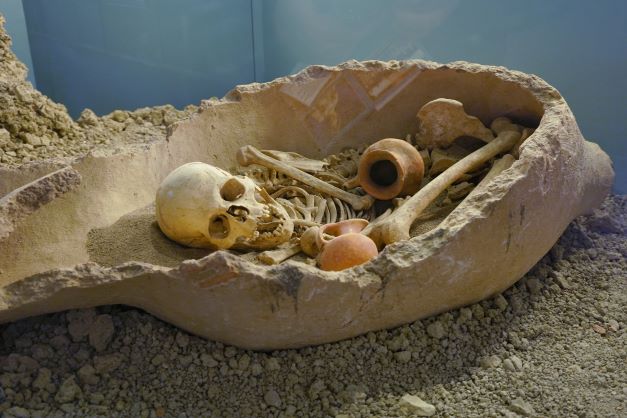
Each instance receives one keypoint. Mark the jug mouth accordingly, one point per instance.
(337, 229)
(381, 175)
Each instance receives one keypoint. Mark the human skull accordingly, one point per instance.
(202, 206)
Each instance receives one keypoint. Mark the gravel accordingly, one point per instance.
(551, 345)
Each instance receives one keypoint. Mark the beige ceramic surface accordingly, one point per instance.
(497, 234)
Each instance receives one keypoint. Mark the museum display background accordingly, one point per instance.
(109, 54)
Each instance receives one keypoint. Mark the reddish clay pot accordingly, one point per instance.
(349, 248)
(390, 168)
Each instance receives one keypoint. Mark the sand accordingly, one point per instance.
(137, 237)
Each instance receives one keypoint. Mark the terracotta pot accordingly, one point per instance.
(390, 168)
(349, 248)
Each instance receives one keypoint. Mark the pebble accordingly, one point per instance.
(79, 323)
(491, 362)
(16, 412)
(599, 329)
(403, 356)
(521, 407)
(87, 374)
(43, 379)
(107, 363)
(613, 325)
(42, 351)
(5, 136)
(272, 364)
(534, 286)
(465, 315)
(68, 391)
(182, 340)
(158, 359)
(436, 330)
(562, 282)
(244, 362)
(208, 361)
(101, 332)
(512, 364)
(119, 115)
(500, 302)
(416, 406)
(272, 398)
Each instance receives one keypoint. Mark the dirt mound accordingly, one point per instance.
(33, 127)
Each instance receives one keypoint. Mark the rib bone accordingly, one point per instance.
(396, 226)
(250, 155)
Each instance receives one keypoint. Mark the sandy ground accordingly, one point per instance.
(553, 345)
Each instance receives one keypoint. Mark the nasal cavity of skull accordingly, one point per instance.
(219, 227)
(232, 190)
(383, 173)
(238, 212)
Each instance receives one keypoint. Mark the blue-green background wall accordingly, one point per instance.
(107, 54)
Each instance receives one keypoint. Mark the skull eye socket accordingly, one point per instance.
(219, 227)
(232, 190)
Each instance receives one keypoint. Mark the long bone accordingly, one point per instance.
(250, 155)
(396, 226)
(279, 255)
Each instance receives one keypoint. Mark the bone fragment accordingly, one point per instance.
(296, 160)
(458, 191)
(426, 159)
(499, 166)
(250, 155)
(321, 205)
(352, 183)
(281, 254)
(332, 210)
(441, 159)
(502, 124)
(444, 120)
(526, 133)
(396, 226)
(308, 242)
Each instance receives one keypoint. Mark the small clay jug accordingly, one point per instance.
(348, 248)
(390, 168)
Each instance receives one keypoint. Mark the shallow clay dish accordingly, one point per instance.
(487, 243)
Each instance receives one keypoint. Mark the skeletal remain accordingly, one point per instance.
(526, 133)
(458, 191)
(426, 159)
(444, 120)
(296, 160)
(308, 241)
(396, 226)
(250, 155)
(203, 206)
(441, 159)
(345, 163)
(499, 165)
(282, 253)
(503, 123)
